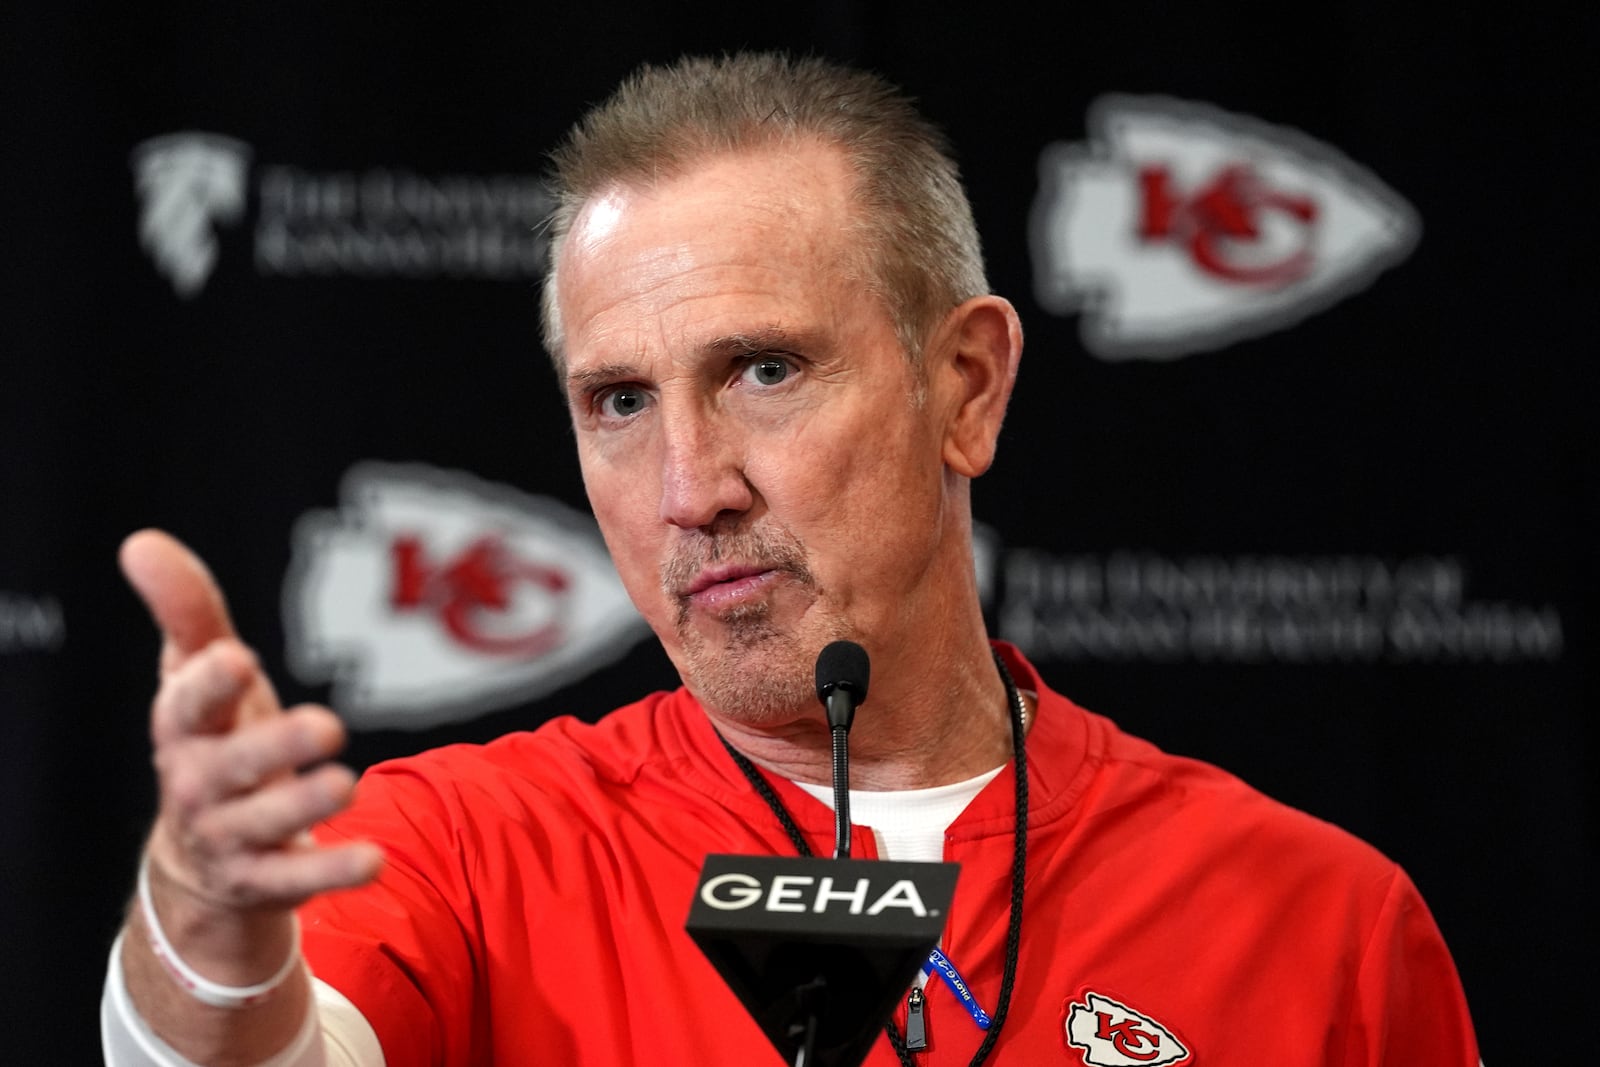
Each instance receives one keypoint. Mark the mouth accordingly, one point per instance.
(728, 585)
(735, 576)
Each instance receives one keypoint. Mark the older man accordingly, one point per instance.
(784, 368)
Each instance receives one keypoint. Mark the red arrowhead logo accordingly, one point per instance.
(1181, 228)
(1111, 1034)
(431, 596)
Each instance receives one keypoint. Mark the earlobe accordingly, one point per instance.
(982, 342)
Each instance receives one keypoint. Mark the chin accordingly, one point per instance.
(752, 671)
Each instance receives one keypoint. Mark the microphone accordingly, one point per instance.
(843, 671)
(842, 674)
(818, 950)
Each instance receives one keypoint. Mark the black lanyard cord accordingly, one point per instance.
(1019, 862)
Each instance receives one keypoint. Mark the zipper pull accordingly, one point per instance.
(916, 1028)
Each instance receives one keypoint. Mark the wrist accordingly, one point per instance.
(251, 955)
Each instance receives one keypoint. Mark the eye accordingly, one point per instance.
(768, 370)
(623, 401)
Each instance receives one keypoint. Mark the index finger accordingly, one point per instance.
(179, 591)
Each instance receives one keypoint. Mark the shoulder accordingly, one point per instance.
(1175, 819)
(1109, 788)
(562, 758)
(1212, 826)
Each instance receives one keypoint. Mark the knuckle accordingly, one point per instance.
(245, 765)
(275, 815)
(184, 789)
(256, 755)
(330, 787)
(303, 806)
(300, 737)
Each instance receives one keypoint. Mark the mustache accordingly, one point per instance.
(767, 547)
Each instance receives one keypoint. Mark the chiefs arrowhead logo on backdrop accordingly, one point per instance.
(1182, 228)
(1110, 1034)
(186, 183)
(432, 596)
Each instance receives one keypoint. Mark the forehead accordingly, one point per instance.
(734, 238)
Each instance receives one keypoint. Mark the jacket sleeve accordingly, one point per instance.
(1409, 1006)
(402, 949)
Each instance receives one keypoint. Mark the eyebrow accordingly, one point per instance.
(584, 381)
(766, 339)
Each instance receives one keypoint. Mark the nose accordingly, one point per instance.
(702, 471)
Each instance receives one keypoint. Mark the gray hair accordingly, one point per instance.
(921, 251)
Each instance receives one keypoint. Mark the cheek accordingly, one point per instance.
(627, 518)
(866, 506)
(628, 538)
(638, 566)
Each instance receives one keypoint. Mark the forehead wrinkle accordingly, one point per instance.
(662, 264)
(684, 277)
(674, 323)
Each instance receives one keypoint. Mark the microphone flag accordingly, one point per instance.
(819, 951)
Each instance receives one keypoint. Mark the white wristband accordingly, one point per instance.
(195, 984)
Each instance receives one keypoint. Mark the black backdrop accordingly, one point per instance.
(1351, 559)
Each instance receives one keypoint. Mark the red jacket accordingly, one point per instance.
(533, 906)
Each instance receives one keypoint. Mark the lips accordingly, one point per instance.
(721, 575)
(720, 589)
(734, 571)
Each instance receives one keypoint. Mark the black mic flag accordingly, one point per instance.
(819, 950)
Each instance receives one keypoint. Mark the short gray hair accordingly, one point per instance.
(922, 254)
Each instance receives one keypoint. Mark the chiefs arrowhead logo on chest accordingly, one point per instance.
(1108, 1033)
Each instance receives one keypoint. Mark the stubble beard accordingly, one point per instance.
(740, 662)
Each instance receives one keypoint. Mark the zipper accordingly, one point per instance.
(916, 1027)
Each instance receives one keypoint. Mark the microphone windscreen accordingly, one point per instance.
(843, 664)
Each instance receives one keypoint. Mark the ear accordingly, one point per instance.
(979, 348)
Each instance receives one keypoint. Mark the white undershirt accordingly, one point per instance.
(909, 824)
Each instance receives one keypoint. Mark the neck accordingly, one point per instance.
(916, 730)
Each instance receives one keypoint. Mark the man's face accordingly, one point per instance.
(748, 426)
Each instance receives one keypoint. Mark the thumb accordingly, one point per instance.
(179, 592)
